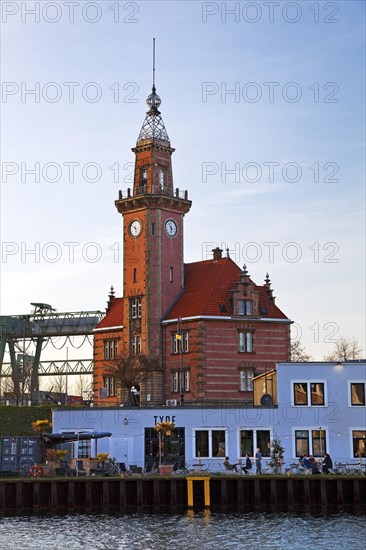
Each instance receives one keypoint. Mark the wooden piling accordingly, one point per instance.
(225, 493)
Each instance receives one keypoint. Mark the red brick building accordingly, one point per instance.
(207, 325)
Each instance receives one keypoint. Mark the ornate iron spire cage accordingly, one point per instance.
(153, 126)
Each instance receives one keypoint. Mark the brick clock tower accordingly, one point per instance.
(153, 270)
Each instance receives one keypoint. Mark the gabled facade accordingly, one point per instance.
(207, 325)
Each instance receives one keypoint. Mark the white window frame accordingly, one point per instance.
(246, 338)
(349, 382)
(210, 430)
(110, 348)
(135, 345)
(109, 382)
(310, 429)
(176, 378)
(245, 381)
(184, 342)
(254, 429)
(247, 308)
(135, 308)
(308, 382)
(162, 178)
(351, 430)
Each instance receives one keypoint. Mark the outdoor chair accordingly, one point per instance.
(122, 468)
(135, 469)
(150, 466)
(230, 467)
(179, 465)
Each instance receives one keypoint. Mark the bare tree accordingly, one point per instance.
(298, 352)
(83, 386)
(345, 349)
(16, 388)
(58, 386)
(130, 371)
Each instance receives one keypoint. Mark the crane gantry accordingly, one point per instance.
(18, 332)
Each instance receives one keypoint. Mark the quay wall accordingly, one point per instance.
(224, 493)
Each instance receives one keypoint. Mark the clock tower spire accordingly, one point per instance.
(153, 268)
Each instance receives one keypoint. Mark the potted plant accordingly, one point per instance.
(102, 459)
(164, 430)
(276, 454)
(60, 454)
(39, 427)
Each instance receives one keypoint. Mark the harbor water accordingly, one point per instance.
(201, 530)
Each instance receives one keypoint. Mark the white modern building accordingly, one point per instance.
(312, 408)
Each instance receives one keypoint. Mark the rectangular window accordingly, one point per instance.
(359, 443)
(317, 393)
(245, 307)
(319, 442)
(84, 449)
(246, 380)
(135, 345)
(253, 439)
(302, 442)
(309, 393)
(134, 274)
(135, 308)
(180, 378)
(143, 176)
(109, 383)
(300, 393)
(162, 178)
(180, 342)
(153, 228)
(110, 348)
(246, 342)
(310, 442)
(170, 274)
(210, 443)
(246, 442)
(357, 394)
(202, 443)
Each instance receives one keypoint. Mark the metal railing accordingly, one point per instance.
(155, 190)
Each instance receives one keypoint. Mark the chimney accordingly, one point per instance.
(217, 254)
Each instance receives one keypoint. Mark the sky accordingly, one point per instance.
(264, 104)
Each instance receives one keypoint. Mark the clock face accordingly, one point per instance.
(171, 228)
(135, 228)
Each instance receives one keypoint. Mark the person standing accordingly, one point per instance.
(258, 462)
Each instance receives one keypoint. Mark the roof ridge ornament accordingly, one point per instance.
(153, 125)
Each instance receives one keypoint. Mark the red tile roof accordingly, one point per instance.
(114, 317)
(207, 286)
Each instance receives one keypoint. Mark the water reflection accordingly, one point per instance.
(195, 530)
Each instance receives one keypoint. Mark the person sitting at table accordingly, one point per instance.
(327, 464)
(314, 465)
(229, 466)
(248, 464)
(306, 462)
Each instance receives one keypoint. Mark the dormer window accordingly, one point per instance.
(245, 307)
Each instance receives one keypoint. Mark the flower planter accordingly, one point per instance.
(166, 469)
